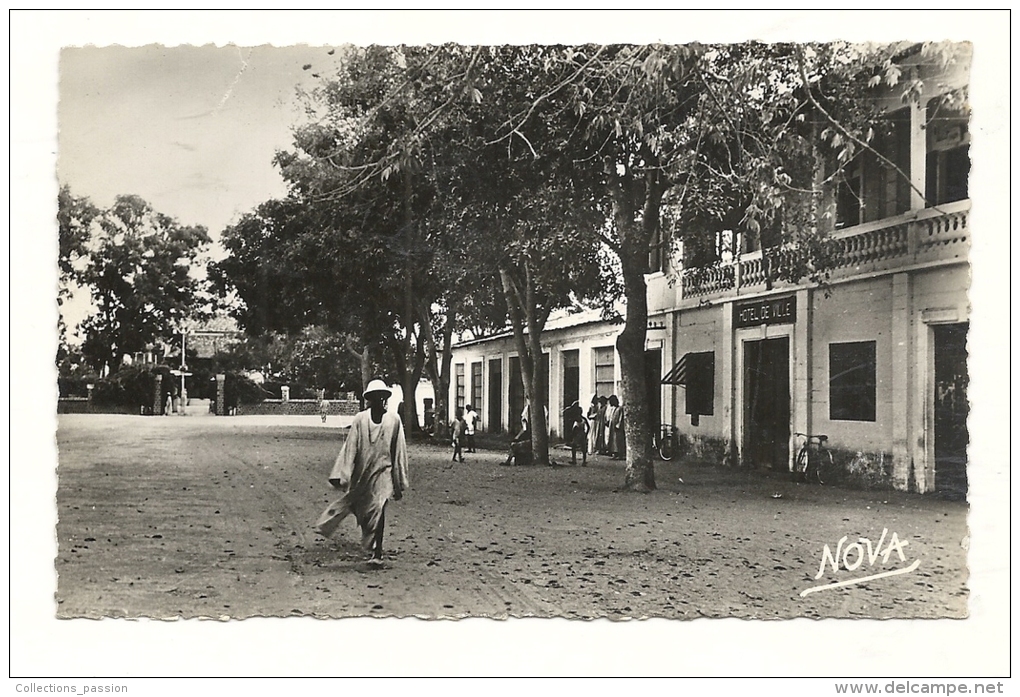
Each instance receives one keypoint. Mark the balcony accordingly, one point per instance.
(929, 236)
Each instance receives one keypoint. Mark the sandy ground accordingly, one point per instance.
(212, 517)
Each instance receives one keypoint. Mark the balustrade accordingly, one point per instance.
(944, 230)
(923, 236)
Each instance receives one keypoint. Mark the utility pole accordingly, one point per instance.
(184, 367)
(183, 372)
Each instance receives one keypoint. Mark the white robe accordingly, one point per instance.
(370, 468)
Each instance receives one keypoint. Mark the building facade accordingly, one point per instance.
(875, 359)
(579, 361)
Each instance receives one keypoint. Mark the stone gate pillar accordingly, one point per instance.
(285, 393)
(221, 395)
(157, 402)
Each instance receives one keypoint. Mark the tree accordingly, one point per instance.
(291, 274)
(634, 108)
(75, 215)
(528, 216)
(138, 271)
(367, 254)
(319, 360)
(74, 226)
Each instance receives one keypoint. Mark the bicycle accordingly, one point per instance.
(667, 442)
(814, 461)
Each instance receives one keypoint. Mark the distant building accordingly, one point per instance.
(214, 336)
(579, 361)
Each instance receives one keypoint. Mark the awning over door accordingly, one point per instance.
(678, 375)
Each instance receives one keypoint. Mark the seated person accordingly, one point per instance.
(520, 448)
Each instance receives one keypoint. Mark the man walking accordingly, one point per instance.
(370, 469)
(470, 422)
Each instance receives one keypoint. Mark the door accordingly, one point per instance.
(494, 424)
(653, 386)
(516, 396)
(571, 381)
(767, 403)
(951, 409)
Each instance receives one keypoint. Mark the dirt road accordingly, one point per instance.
(212, 517)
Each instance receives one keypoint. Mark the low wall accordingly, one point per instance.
(861, 470)
(80, 405)
(297, 407)
(704, 449)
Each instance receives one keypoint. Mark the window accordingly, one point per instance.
(871, 188)
(476, 385)
(658, 257)
(852, 381)
(699, 375)
(948, 161)
(459, 368)
(605, 371)
(849, 199)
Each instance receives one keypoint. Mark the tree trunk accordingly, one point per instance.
(520, 315)
(539, 397)
(408, 385)
(364, 357)
(437, 365)
(446, 371)
(419, 367)
(635, 240)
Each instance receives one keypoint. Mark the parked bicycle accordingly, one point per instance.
(667, 444)
(814, 461)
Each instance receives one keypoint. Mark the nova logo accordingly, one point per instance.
(851, 557)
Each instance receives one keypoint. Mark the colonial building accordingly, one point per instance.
(579, 360)
(875, 359)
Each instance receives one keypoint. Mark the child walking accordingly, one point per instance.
(458, 427)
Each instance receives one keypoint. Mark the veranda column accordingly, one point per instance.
(918, 155)
(727, 375)
(803, 365)
(902, 375)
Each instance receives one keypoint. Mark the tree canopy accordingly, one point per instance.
(137, 264)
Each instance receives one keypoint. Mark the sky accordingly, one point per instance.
(193, 131)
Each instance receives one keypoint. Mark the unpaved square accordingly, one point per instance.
(212, 517)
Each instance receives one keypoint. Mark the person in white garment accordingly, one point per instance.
(470, 422)
(371, 469)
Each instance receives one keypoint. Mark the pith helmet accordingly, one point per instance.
(377, 386)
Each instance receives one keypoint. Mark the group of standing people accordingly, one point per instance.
(606, 434)
(598, 432)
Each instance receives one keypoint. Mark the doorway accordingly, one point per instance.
(767, 403)
(494, 424)
(951, 409)
(653, 387)
(571, 381)
(515, 396)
